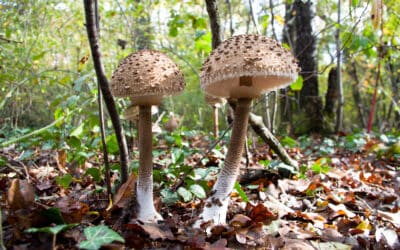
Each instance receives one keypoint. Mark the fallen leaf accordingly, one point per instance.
(239, 221)
(387, 237)
(158, 231)
(260, 213)
(125, 193)
(394, 218)
(21, 194)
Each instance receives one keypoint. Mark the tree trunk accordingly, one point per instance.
(339, 112)
(356, 94)
(305, 51)
(287, 102)
(332, 93)
(142, 30)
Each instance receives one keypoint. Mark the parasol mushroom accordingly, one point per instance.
(242, 67)
(215, 103)
(146, 77)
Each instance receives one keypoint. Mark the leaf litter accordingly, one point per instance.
(347, 199)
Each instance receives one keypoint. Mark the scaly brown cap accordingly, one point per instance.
(214, 100)
(146, 76)
(246, 66)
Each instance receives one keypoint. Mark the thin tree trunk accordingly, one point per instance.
(101, 115)
(287, 102)
(305, 51)
(255, 121)
(332, 93)
(253, 17)
(212, 10)
(229, 5)
(378, 74)
(356, 93)
(105, 87)
(339, 113)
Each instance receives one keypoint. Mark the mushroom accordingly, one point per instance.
(146, 76)
(215, 103)
(242, 67)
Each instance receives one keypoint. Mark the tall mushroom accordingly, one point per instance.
(146, 76)
(215, 103)
(242, 67)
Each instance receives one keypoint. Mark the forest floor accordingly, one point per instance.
(344, 196)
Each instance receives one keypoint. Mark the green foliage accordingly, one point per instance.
(95, 173)
(288, 141)
(321, 166)
(240, 191)
(64, 181)
(97, 236)
(298, 84)
(354, 142)
(53, 215)
(51, 230)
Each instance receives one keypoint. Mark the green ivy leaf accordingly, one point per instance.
(99, 235)
(288, 141)
(95, 173)
(198, 191)
(169, 197)
(64, 180)
(185, 194)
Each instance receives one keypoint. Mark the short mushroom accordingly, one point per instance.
(146, 76)
(242, 67)
(215, 103)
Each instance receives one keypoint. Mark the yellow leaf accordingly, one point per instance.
(364, 225)
(279, 19)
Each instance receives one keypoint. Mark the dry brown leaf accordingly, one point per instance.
(125, 193)
(62, 160)
(72, 210)
(21, 194)
(260, 213)
(158, 231)
(239, 221)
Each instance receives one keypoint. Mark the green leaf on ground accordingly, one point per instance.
(64, 180)
(185, 194)
(97, 236)
(198, 191)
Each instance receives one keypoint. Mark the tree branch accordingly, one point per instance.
(105, 86)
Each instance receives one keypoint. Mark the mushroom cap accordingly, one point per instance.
(246, 66)
(214, 100)
(146, 76)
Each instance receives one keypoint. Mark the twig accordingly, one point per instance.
(9, 40)
(2, 247)
(105, 87)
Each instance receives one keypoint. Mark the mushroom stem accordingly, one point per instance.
(216, 123)
(144, 189)
(216, 206)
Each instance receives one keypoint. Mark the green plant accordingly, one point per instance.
(51, 230)
(97, 236)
